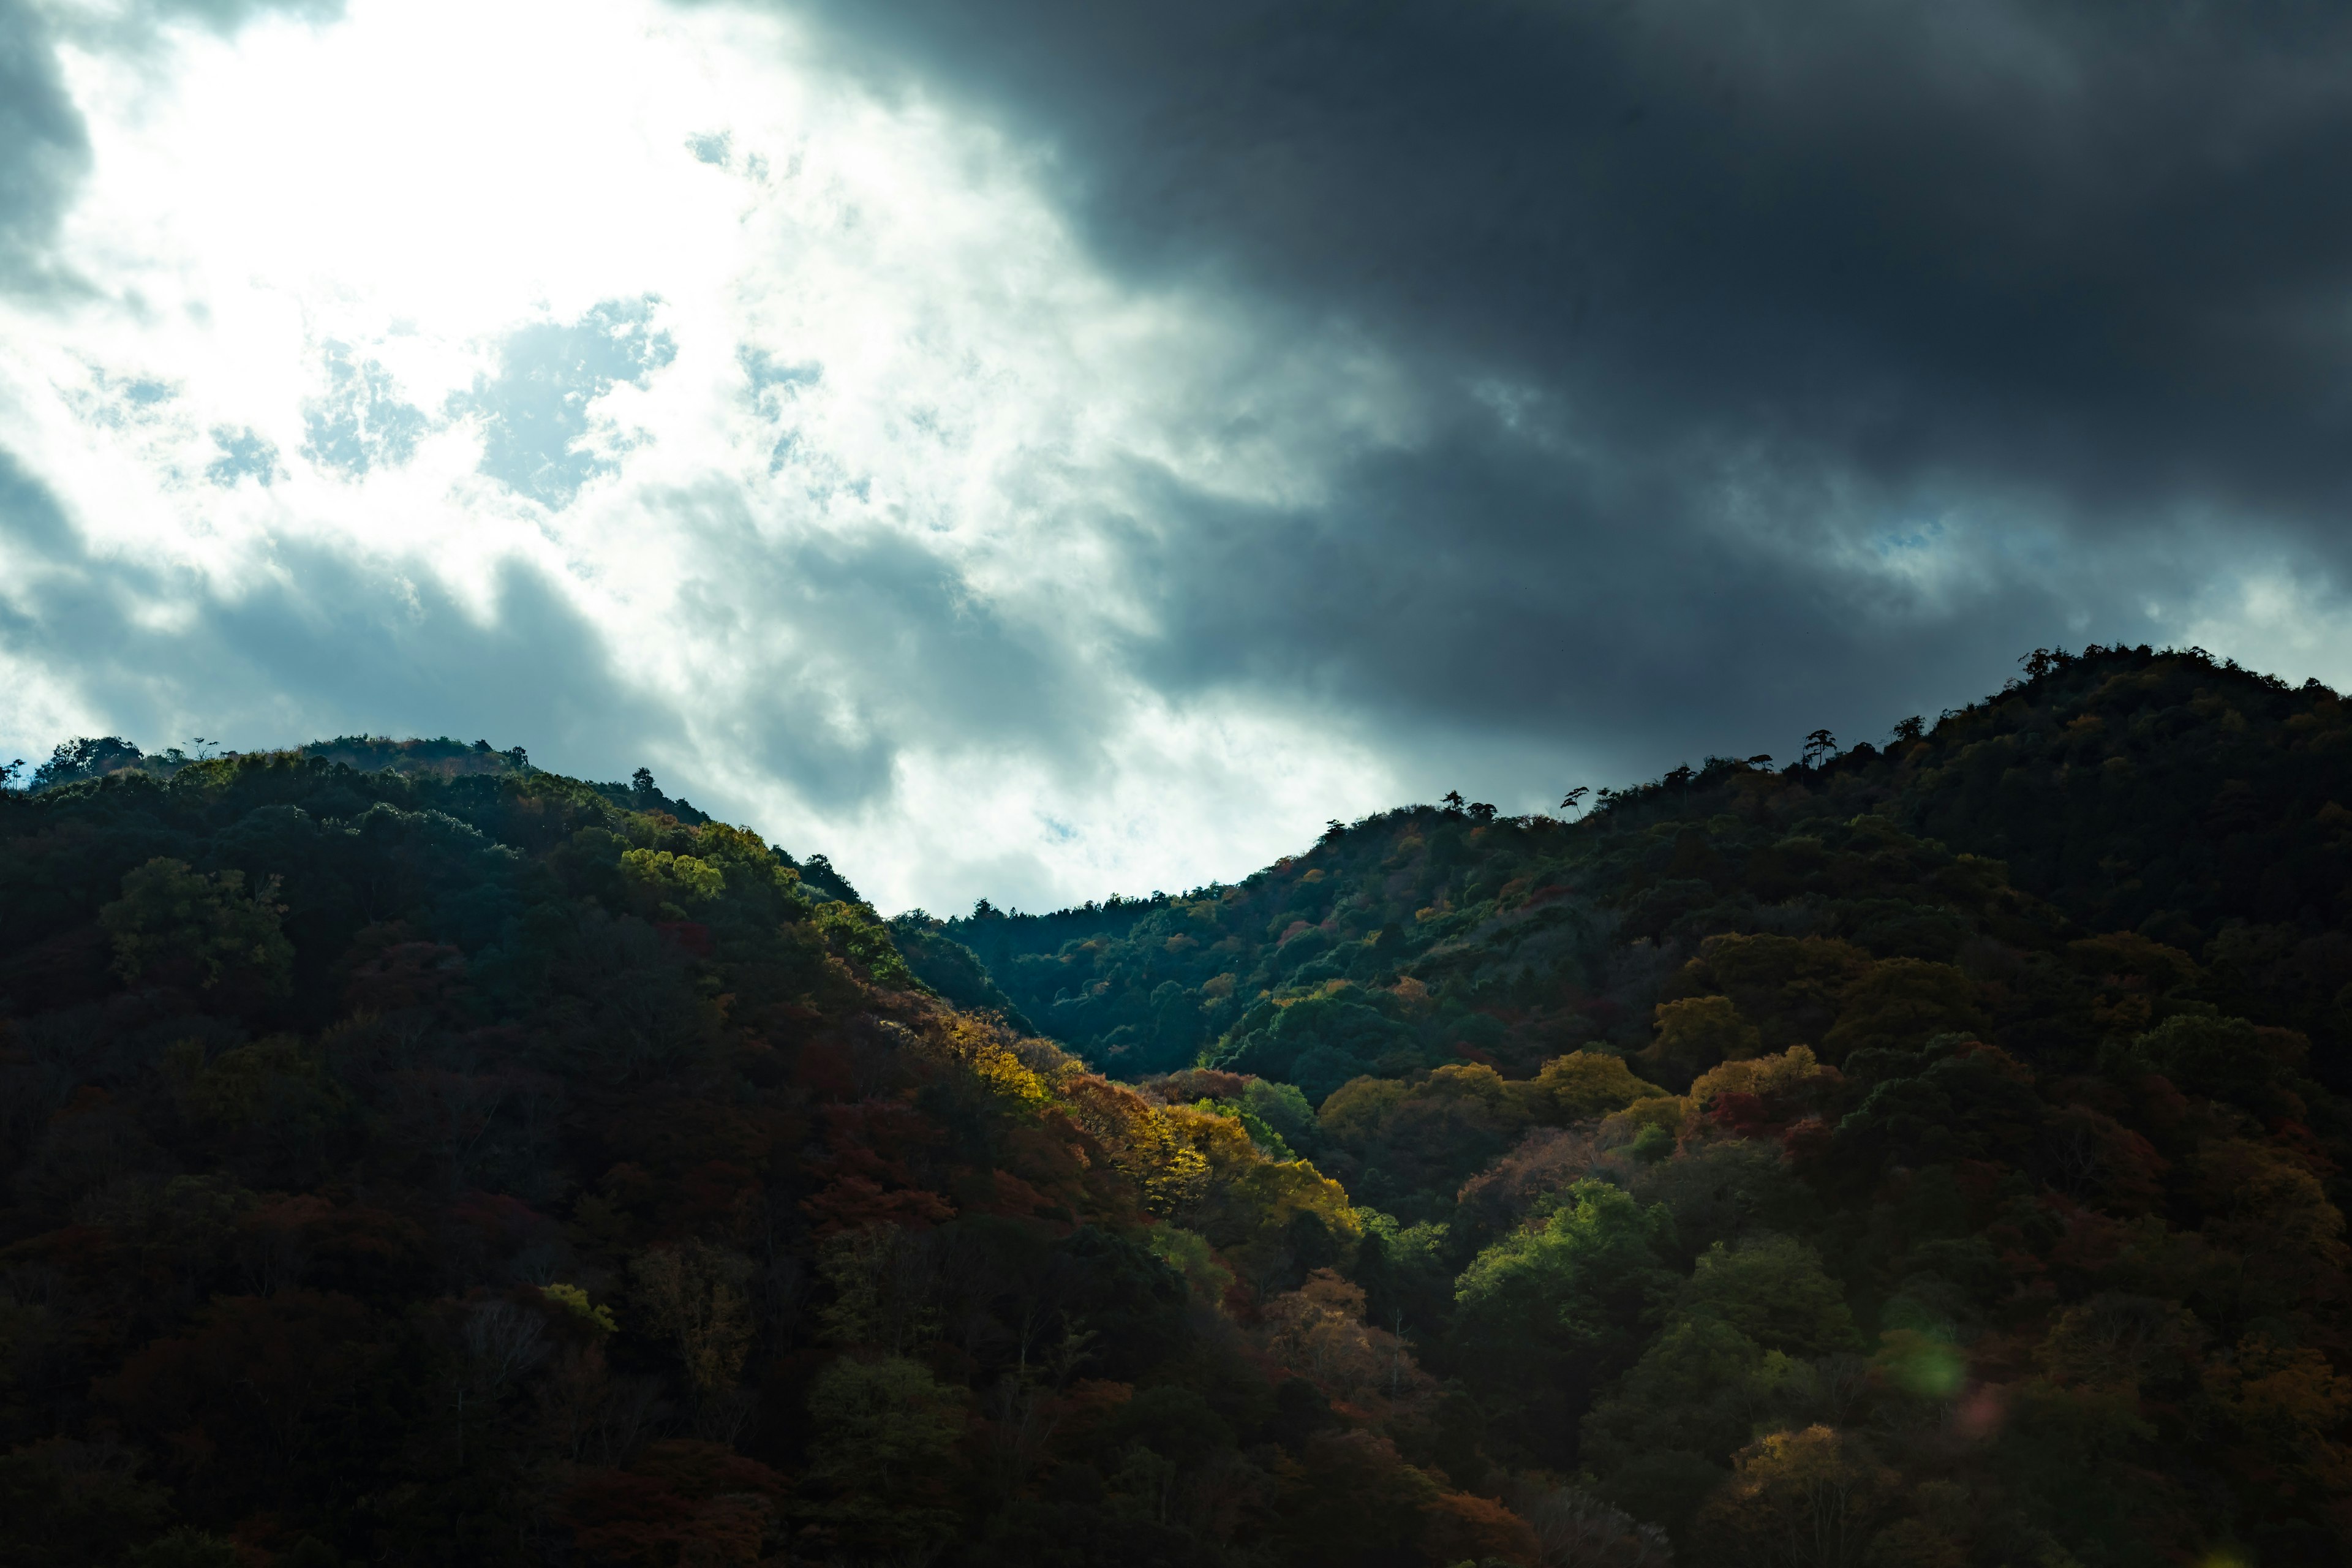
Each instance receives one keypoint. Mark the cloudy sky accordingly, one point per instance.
(1044, 447)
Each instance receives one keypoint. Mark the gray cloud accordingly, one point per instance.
(534, 412)
(768, 374)
(228, 16)
(886, 648)
(361, 424)
(1866, 344)
(43, 150)
(325, 645)
(1517, 611)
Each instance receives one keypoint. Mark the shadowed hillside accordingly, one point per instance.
(1914, 1156)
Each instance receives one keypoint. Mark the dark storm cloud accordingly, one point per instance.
(1478, 587)
(2040, 236)
(1793, 281)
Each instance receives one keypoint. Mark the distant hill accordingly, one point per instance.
(105, 756)
(2194, 804)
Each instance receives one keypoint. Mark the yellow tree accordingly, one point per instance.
(1799, 1499)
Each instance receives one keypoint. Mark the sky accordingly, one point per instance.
(1042, 449)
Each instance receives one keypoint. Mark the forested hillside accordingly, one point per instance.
(2004, 1053)
(1914, 1157)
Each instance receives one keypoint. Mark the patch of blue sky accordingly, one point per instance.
(244, 454)
(119, 404)
(362, 424)
(1924, 536)
(535, 411)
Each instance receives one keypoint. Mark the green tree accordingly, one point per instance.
(1773, 1289)
(886, 1430)
(173, 922)
(1544, 1316)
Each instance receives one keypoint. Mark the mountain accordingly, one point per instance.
(461, 1163)
(1921, 1155)
(1921, 1012)
(2196, 804)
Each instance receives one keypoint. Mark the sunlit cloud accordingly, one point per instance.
(807, 404)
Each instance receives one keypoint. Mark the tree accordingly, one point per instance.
(1695, 1034)
(1574, 799)
(2044, 661)
(1353, 1502)
(1805, 1500)
(886, 1431)
(1773, 1289)
(185, 1548)
(87, 758)
(1821, 743)
(1548, 1314)
(1697, 1395)
(179, 925)
(67, 1503)
(694, 1297)
(1576, 1530)
(1587, 1083)
(1318, 1332)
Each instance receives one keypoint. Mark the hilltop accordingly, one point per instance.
(2192, 804)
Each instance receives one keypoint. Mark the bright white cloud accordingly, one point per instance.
(809, 406)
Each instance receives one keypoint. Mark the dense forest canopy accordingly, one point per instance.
(1925, 1153)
